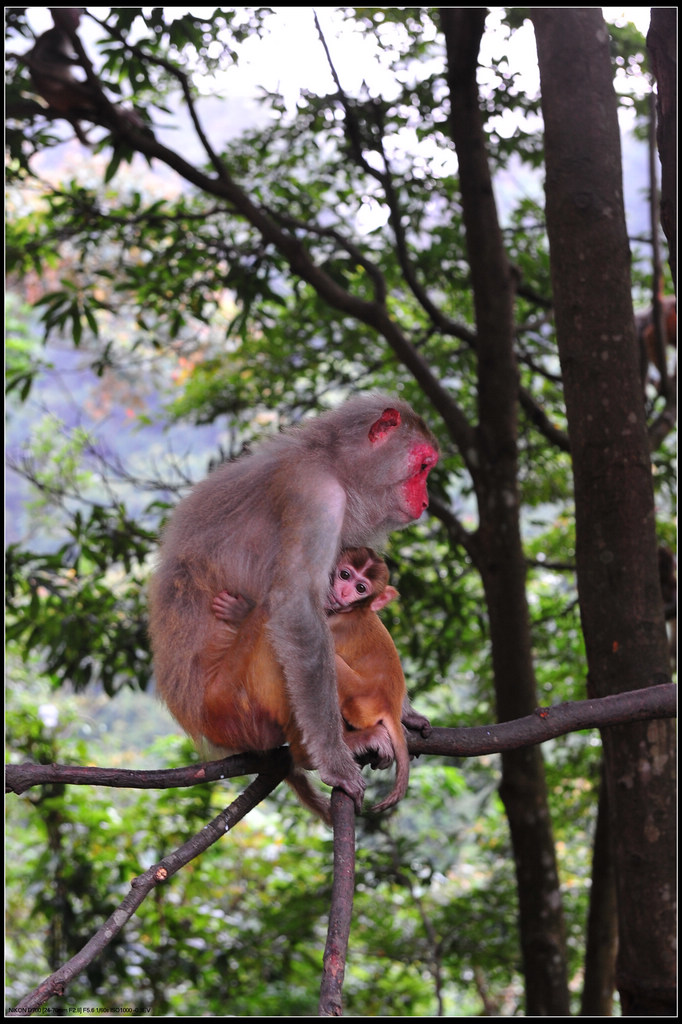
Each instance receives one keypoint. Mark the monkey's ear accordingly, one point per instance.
(381, 428)
(389, 594)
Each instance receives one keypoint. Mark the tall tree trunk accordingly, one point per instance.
(616, 549)
(499, 550)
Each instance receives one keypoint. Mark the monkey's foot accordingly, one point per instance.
(419, 723)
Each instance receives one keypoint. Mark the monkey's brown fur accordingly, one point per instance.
(372, 693)
(246, 701)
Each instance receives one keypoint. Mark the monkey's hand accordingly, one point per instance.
(231, 608)
(350, 781)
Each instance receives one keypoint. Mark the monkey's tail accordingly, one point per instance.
(402, 766)
(309, 796)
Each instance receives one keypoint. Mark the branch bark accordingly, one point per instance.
(656, 701)
(20, 777)
(653, 702)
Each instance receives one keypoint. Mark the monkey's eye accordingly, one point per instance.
(344, 574)
(361, 588)
(428, 463)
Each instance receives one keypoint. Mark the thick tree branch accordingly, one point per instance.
(344, 243)
(657, 701)
(20, 777)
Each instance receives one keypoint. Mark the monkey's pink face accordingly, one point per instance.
(415, 497)
(348, 586)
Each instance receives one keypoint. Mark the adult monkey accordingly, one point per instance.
(283, 513)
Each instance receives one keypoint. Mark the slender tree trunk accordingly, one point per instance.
(498, 544)
(601, 946)
(616, 549)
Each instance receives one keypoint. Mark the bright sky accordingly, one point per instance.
(290, 58)
(293, 58)
(296, 45)
(639, 16)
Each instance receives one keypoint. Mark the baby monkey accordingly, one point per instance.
(370, 682)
